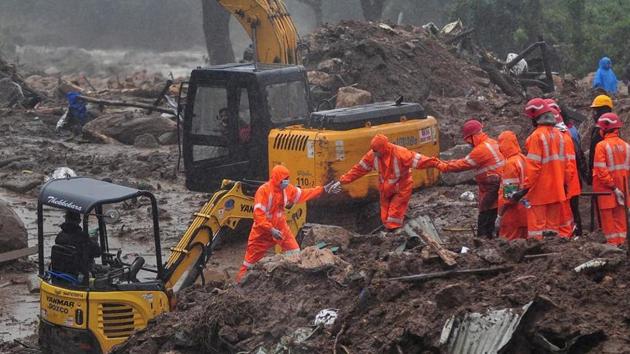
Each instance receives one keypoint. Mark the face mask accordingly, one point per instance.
(376, 153)
(284, 184)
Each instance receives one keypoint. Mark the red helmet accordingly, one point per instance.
(552, 104)
(609, 121)
(536, 107)
(471, 127)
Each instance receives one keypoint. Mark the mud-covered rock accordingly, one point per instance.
(146, 141)
(13, 234)
(351, 96)
(125, 127)
(329, 234)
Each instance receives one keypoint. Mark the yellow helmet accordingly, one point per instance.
(601, 101)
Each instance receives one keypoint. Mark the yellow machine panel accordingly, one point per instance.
(114, 316)
(316, 156)
(63, 306)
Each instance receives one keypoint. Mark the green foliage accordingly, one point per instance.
(582, 31)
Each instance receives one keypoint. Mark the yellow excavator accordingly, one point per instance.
(239, 120)
(90, 305)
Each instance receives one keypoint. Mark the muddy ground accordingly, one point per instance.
(578, 312)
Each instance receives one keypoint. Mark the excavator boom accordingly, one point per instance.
(270, 27)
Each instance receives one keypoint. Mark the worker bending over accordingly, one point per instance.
(610, 174)
(512, 215)
(547, 173)
(270, 225)
(393, 164)
(487, 162)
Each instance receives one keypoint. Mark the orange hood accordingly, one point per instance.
(278, 173)
(380, 144)
(508, 144)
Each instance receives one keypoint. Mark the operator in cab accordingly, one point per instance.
(270, 225)
(72, 235)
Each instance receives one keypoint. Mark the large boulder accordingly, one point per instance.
(13, 234)
(350, 96)
(125, 127)
(455, 178)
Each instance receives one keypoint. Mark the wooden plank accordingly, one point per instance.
(447, 273)
(423, 227)
(11, 255)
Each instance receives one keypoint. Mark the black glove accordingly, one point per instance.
(518, 195)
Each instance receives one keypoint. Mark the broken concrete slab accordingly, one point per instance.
(350, 96)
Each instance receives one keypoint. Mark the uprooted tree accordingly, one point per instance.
(216, 30)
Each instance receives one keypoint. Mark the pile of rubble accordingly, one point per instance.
(381, 295)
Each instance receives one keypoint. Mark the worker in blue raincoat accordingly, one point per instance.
(605, 77)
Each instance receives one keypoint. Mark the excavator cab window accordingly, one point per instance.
(210, 124)
(287, 101)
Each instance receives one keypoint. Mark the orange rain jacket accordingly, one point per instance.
(611, 167)
(514, 218)
(269, 204)
(487, 161)
(395, 180)
(548, 173)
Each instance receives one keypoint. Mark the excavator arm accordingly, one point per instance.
(270, 27)
(223, 212)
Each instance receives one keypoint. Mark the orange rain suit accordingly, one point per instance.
(547, 176)
(513, 215)
(573, 188)
(487, 161)
(269, 204)
(395, 181)
(611, 170)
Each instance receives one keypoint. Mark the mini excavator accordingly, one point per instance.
(92, 311)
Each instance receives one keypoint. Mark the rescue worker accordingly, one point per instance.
(547, 173)
(573, 189)
(270, 225)
(393, 164)
(601, 104)
(610, 174)
(512, 215)
(487, 162)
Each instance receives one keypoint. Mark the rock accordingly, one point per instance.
(349, 96)
(604, 249)
(320, 78)
(23, 183)
(146, 141)
(608, 281)
(331, 66)
(13, 235)
(169, 138)
(452, 179)
(332, 235)
(125, 127)
(449, 297)
(474, 105)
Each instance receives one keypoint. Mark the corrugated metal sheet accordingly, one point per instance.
(476, 333)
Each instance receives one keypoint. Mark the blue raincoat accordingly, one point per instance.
(605, 77)
(77, 107)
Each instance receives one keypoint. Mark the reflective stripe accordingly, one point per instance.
(291, 252)
(375, 163)
(534, 233)
(470, 160)
(396, 167)
(392, 219)
(554, 157)
(615, 235)
(284, 197)
(298, 194)
(570, 156)
(489, 168)
(521, 171)
(247, 264)
(534, 157)
(599, 164)
(269, 205)
(507, 181)
(364, 165)
(610, 163)
(416, 160)
(260, 206)
(493, 152)
(545, 146)
(609, 156)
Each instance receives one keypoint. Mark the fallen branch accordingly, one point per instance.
(428, 276)
(447, 256)
(125, 104)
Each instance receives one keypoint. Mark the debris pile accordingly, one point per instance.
(531, 287)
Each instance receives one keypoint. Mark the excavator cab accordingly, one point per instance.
(88, 305)
(230, 110)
